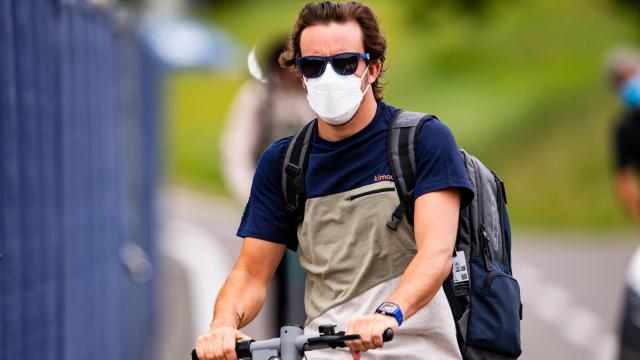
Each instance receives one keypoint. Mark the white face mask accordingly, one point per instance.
(335, 98)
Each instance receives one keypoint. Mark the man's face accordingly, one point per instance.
(334, 38)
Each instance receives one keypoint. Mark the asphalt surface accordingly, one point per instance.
(571, 283)
(572, 288)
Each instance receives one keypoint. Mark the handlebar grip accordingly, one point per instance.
(387, 335)
(243, 349)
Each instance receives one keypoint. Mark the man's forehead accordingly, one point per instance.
(332, 38)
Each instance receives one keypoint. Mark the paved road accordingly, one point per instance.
(571, 283)
(572, 290)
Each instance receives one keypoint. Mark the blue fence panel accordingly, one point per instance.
(40, 143)
(150, 71)
(68, 182)
(10, 246)
(48, 122)
(23, 56)
(5, 44)
(111, 215)
(72, 193)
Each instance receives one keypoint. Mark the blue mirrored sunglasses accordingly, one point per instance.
(343, 63)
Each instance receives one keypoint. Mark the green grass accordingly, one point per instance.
(521, 86)
(197, 108)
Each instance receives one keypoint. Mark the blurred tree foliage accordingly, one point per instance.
(635, 4)
(520, 83)
(632, 8)
(423, 11)
(214, 3)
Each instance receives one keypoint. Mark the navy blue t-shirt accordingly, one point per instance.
(357, 161)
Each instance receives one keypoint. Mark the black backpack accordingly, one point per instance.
(482, 293)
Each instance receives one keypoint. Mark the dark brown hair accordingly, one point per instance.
(328, 11)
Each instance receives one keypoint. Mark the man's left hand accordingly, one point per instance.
(370, 328)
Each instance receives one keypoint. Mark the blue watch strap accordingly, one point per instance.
(391, 309)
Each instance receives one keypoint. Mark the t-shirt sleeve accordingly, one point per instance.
(439, 163)
(264, 215)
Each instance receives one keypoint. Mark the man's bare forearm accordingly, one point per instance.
(436, 226)
(245, 289)
(420, 283)
(628, 192)
(239, 301)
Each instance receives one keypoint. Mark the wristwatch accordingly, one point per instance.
(391, 309)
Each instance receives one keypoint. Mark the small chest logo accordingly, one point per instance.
(377, 178)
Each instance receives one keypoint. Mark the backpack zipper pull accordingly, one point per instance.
(484, 242)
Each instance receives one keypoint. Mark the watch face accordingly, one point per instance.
(386, 307)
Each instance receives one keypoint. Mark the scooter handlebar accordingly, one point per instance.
(243, 348)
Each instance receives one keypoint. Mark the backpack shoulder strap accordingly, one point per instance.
(401, 145)
(294, 165)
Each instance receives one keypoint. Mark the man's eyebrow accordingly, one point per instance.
(318, 53)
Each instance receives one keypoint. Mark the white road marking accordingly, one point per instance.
(554, 304)
(581, 327)
(551, 301)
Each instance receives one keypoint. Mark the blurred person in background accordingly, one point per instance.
(352, 265)
(263, 111)
(624, 75)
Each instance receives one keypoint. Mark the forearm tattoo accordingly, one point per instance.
(239, 318)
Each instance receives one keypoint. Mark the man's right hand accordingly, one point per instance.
(219, 344)
(240, 299)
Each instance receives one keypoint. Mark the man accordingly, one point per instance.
(354, 263)
(624, 74)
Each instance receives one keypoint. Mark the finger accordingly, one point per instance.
(350, 327)
(367, 341)
(229, 346)
(241, 337)
(356, 355)
(218, 354)
(206, 352)
(361, 347)
(376, 336)
(350, 343)
(200, 348)
(357, 344)
(211, 347)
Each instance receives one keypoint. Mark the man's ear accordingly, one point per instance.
(374, 71)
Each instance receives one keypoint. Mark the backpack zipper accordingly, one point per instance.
(370, 192)
(484, 244)
(482, 230)
(490, 276)
(479, 192)
(499, 200)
